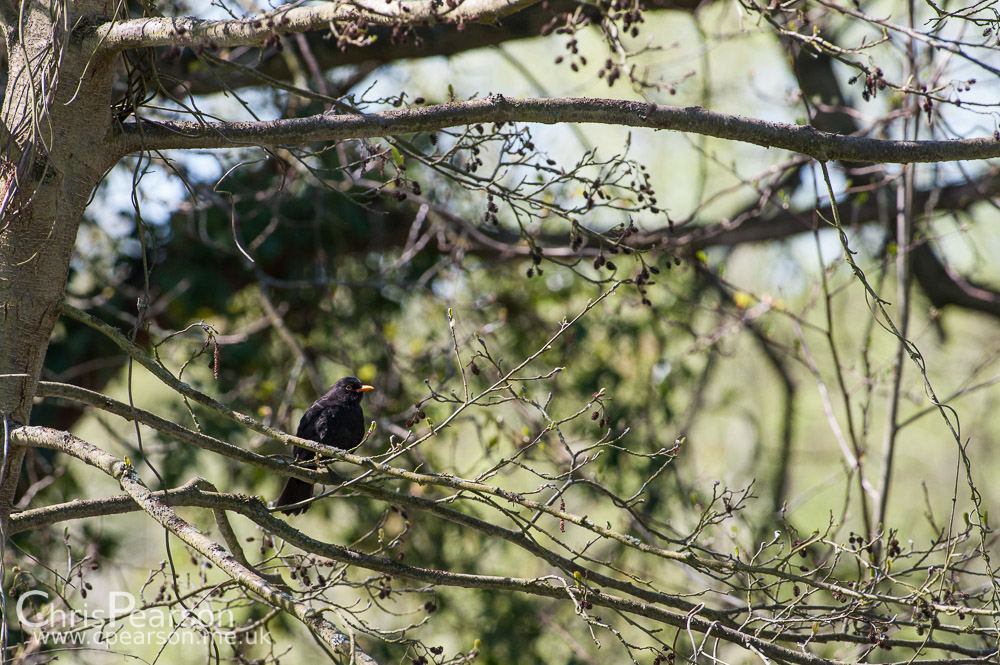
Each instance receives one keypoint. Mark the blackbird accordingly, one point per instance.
(335, 419)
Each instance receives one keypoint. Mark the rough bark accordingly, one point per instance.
(55, 120)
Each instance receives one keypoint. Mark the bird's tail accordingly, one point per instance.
(295, 491)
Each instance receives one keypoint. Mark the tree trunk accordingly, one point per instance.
(55, 117)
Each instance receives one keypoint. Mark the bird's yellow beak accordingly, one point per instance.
(365, 388)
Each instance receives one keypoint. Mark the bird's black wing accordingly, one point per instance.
(307, 430)
(307, 426)
(340, 425)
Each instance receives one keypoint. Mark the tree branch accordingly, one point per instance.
(188, 494)
(822, 146)
(125, 474)
(292, 18)
(178, 432)
(191, 495)
(381, 46)
(562, 589)
(943, 286)
(720, 565)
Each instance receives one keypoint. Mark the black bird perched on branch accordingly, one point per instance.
(335, 419)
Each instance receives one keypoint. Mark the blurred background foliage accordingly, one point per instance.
(345, 280)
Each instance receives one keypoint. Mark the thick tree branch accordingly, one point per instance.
(943, 286)
(548, 586)
(381, 46)
(291, 18)
(751, 227)
(130, 481)
(191, 495)
(822, 146)
(721, 565)
(175, 431)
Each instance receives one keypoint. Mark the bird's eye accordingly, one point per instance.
(348, 387)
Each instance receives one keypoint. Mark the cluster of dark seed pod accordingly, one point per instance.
(422, 660)
(664, 657)
(420, 415)
(873, 83)
(610, 72)
(536, 260)
(629, 12)
(491, 211)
